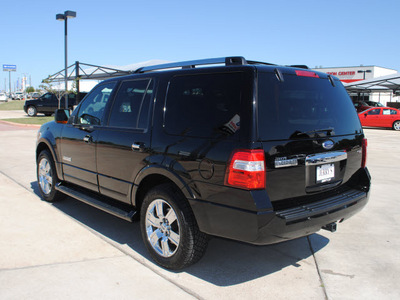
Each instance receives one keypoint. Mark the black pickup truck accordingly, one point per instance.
(48, 103)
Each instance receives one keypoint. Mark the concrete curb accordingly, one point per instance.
(20, 125)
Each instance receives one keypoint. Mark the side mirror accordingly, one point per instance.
(61, 116)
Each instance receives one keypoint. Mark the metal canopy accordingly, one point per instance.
(386, 83)
(79, 71)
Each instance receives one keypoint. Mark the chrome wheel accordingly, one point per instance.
(396, 125)
(162, 228)
(45, 176)
(31, 111)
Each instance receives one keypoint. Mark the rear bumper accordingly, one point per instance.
(302, 221)
(269, 226)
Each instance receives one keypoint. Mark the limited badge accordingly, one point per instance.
(281, 162)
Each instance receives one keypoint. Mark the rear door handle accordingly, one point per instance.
(137, 146)
(88, 139)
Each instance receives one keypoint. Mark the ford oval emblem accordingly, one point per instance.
(328, 145)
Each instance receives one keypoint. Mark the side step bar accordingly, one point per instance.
(126, 215)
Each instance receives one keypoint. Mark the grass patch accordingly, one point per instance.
(33, 120)
(12, 105)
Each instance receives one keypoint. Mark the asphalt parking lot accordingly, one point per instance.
(70, 250)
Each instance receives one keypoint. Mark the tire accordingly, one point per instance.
(396, 125)
(169, 229)
(47, 177)
(31, 111)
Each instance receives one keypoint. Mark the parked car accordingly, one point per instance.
(374, 104)
(3, 97)
(48, 103)
(247, 151)
(19, 96)
(35, 95)
(381, 117)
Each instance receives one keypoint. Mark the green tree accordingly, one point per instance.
(29, 89)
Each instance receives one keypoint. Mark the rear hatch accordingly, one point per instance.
(310, 133)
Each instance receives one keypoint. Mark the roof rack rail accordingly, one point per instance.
(253, 62)
(228, 61)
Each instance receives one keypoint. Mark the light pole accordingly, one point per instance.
(64, 17)
(364, 71)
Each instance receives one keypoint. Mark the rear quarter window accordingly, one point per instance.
(204, 105)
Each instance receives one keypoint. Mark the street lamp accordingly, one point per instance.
(364, 71)
(64, 17)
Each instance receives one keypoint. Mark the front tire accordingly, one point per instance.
(169, 229)
(31, 111)
(47, 177)
(396, 125)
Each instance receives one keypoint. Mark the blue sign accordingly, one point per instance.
(10, 68)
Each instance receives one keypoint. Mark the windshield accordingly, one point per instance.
(302, 105)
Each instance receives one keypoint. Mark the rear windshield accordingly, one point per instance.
(300, 105)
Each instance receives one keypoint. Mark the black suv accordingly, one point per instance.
(48, 103)
(239, 149)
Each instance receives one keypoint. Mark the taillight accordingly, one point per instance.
(246, 169)
(364, 153)
(306, 73)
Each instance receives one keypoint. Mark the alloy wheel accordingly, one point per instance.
(45, 176)
(162, 228)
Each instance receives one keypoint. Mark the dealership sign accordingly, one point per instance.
(10, 68)
(342, 73)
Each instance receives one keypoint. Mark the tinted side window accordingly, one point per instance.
(204, 105)
(47, 96)
(374, 111)
(92, 109)
(131, 105)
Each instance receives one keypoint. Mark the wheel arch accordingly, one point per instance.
(44, 144)
(150, 177)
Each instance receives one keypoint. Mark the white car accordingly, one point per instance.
(19, 96)
(3, 97)
(35, 95)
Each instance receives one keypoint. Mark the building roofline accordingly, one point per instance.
(354, 67)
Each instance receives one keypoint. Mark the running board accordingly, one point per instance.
(126, 215)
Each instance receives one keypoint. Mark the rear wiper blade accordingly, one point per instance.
(329, 131)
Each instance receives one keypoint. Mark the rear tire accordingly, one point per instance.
(396, 125)
(169, 228)
(47, 177)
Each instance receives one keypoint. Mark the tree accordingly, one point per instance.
(29, 89)
(48, 87)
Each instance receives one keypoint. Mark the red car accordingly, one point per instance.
(381, 117)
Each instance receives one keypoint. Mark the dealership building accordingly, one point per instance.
(351, 75)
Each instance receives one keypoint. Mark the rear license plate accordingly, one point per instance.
(325, 173)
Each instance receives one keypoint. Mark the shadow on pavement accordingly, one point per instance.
(35, 187)
(225, 263)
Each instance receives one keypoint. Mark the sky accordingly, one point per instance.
(121, 32)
